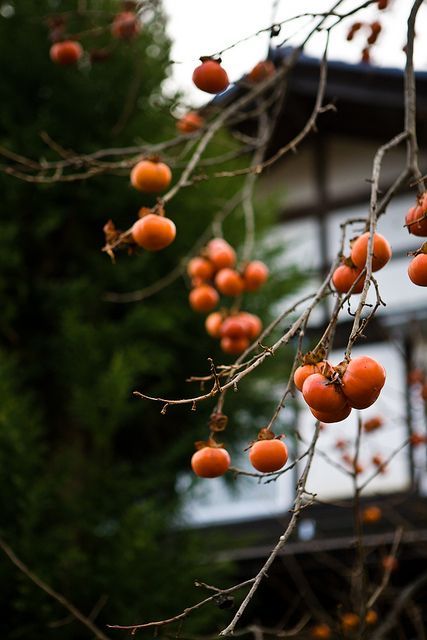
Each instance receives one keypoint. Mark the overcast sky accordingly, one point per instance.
(199, 27)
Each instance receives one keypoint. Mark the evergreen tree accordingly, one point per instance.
(88, 473)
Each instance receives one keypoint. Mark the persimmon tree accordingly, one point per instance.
(220, 276)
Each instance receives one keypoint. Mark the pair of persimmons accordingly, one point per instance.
(416, 223)
(349, 274)
(268, 454)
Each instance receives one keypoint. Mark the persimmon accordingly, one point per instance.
(383, 4)
(417, 270)
(190, 122)
(373, 424)
(200, 268)
(150, 176)
(125, 25)
(417, 438)
(210, 462)
(341, 444)
(356, 466)
(371, 514)
(254, 275)
(203, 298)
(261, 71)
(229, 282)
(323, 395)
(416, 221)
(252, 324)
(349, 621)
(221, 254)
(416, 376)
(390, 563)
(154, 232)
(345, 276)
(321, 631)
(378, 461)
(213, 324)
(67, 52)
(305, 370)
(332, 416)
(233, 328)
(234, 346)
(371, 617)
(210, 76)
(381, 251)
(362, 381)
(353, 29)
(268, 455)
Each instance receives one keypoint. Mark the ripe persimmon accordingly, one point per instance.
(210, 76)
(203, 298)
(229, 282)
(190, 122)
(349, 621)
(261, 71)
(371, 514)
(234, 346)
(362, 381)
(125, 25)
(153, 232)
(150, 176)
(321, 631)
(210, 462)
(213, 324)
(390, 563)
(200, 268)
(417, 270)
(220, 253)
(268, 455)
(373, 424)
(417, 438)
(253, 324)
(381, 254)
(345, 276)
(323, 395)
(332, 416)
(371, 617)
(416, 221)
(234, 328)
(305, 370)
(379, 462)
(66, 52)
(254, 275)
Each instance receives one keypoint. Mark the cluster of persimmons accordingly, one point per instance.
(214, 273)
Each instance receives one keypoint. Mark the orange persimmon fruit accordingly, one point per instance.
(210, 462)
(381, 251)
(153, 232)
(268, 455)
(203, 298)
(210, 76)
(67, 52)
(150, 176)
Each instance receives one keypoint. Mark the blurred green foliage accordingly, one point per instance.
(88, 473)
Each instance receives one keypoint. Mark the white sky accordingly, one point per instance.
(199, 27)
